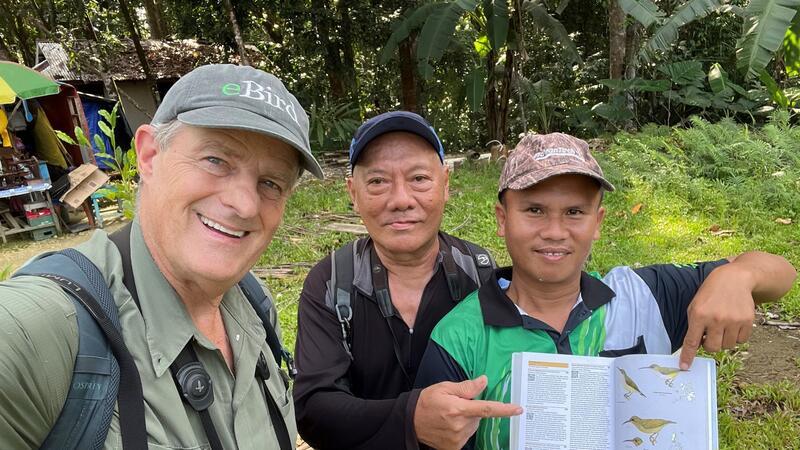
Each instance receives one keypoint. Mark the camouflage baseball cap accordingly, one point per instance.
(538, 157)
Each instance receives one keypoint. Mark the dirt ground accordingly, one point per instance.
(773, 354)
(18, 250)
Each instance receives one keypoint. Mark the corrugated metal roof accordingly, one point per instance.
(55, 54)
(167, 59)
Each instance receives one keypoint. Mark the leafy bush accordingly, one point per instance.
(123, 162)
(717, 168)
(332, 124)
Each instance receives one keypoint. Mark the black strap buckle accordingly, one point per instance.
(195, 385)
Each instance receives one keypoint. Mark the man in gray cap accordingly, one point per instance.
(217, 165)
(549, 212)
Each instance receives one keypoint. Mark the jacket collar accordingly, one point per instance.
(362, 263)
(498, 309)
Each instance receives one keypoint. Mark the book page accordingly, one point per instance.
(658, 406)
(566, 402)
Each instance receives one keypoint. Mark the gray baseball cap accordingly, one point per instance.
(240, 98)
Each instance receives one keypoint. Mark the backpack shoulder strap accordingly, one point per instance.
(341, 286)
(102, 362)
(262, 303)
(484, 263)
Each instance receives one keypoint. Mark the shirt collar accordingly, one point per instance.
(168, 326)
(362, 263)
(499, 310)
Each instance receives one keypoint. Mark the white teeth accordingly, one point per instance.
(216, 226)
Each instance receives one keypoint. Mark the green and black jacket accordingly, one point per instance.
(628, 311)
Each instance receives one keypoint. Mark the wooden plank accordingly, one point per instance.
(342, 227)
(11, 221)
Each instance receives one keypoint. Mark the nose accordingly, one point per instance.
(241, 195)
(401, 198)
(554, 229)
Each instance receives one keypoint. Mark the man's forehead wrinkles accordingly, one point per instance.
(223, 145)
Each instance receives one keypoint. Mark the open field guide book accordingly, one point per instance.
(630, 402)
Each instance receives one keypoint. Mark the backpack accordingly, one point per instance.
(343, 261)
(104, 371)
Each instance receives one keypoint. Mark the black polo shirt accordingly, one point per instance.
(366, 402)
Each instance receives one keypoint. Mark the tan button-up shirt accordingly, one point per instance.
(40, 340)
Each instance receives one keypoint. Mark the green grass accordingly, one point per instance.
(5, 272)
(688, 180)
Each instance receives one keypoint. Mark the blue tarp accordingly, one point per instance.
(91, 111)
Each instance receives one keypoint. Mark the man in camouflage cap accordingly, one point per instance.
(549, 212)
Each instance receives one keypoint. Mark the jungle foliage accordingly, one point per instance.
(478, 69)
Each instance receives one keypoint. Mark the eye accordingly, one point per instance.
(272, 187)
(216, 165)
(376, 181)
(574, 211)
(534, 210)
(421, 178)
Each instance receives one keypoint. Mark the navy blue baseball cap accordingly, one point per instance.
(393, 121)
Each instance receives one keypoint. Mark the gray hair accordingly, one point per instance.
(165, 132)
(163, 135)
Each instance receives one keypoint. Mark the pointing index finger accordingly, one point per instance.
(692, 341)
(488, 408)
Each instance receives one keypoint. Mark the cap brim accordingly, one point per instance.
(397, 123)
(240, 119)
(520, 185)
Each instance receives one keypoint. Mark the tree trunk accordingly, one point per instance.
(633, 41)
(237, 33)
(616, 40)
(16, 28)
(51, 9)
(5, 52)
(333, 60)
(498, 92)
(274, 32)
(348, 54)
(40, 19)
(505, 96)
(87, 28)
(97, 49)
(408, 75)
(126, 14)
(779, 72)
(155, 21)
(28, 55)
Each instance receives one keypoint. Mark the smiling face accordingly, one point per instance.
(399, 187)
(211, 201)
(549, 228)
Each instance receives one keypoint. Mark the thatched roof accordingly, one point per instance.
(168, 59)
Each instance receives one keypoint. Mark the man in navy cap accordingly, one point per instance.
(367, 311)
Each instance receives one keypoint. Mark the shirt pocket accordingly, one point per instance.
(278, 388)
(638, 349)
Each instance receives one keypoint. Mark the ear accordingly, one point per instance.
(601, 214)
(146, 151)
(351, 190)
(500, 215)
